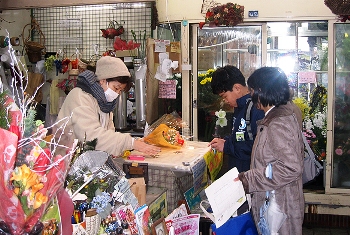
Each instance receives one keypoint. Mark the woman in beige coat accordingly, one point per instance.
(279, 143)
(88, 108)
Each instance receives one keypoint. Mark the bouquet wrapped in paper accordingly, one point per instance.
(165, 132)
(31, 174)
(33, 164)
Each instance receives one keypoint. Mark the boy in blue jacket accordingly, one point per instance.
(229, 83)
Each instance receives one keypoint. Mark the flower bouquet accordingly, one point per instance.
(33, 164)
(165, 136)
(314, 114)
(165, 132)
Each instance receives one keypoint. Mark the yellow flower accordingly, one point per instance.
(303, 106)
(39, 200)
(37, 187)
(21, 174)
(16, 191)
(32, 180)
(206, 77)
(126, 153)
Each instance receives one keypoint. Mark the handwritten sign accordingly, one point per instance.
(167, 89)
(307, 77)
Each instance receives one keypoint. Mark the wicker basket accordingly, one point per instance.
(82, 66)
(33, 49)
(338, 7)
(34, 56)
(34, 46)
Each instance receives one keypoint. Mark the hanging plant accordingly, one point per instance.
(114, 29)
(229, 14)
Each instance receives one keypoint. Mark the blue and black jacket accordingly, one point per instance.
(237, 147)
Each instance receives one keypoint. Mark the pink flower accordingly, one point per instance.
(339, 151)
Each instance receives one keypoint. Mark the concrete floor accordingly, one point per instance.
(326, 231)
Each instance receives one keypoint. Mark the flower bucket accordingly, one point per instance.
(93, 221)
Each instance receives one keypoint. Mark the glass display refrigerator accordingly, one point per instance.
(302, 50)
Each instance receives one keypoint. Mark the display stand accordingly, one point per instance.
(172, 165)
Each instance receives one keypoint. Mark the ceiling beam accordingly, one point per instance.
(25, 4)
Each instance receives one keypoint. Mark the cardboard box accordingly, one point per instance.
(138, 188)
(127, 53)
(157, 202)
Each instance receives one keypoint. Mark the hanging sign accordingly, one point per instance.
(307, 77)
(167, 89)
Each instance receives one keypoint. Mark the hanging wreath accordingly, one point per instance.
(229, 14)
(340, 8)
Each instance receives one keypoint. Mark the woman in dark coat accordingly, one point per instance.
(279, 143)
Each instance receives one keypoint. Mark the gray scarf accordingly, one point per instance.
(88, 83)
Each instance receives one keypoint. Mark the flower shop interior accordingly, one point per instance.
(171, 48)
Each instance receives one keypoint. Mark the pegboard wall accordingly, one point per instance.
(70, 28)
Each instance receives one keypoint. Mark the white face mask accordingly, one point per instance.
(110, 94)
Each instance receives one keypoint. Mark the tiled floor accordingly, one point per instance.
(326, 231)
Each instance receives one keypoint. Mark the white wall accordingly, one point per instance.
(14, 21)
(269, 10)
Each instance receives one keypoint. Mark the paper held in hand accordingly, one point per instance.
(225, 196)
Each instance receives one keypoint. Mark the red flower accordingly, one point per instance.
(209, 14)
(201, 24)
(228, 14)
(121, 45)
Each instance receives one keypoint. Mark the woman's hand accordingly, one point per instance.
(217, 144)
(145, 148)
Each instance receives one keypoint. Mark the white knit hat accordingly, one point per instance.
(110, 67)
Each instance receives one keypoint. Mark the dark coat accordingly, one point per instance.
(239, 152)
(280, 143)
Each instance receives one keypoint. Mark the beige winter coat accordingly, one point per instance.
(87, 118)
(280, 143)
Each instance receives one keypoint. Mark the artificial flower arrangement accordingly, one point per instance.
(135, 47)
(33, 164)
(315, 120)
(114, 29)
(67, 84)
(123, 45)
(229, 14)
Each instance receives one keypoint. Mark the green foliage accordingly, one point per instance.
(49, 62)
(29, 122)
(141, 38)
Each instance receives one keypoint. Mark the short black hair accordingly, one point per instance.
(123, 80)
(270, 86)
(224, 78)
